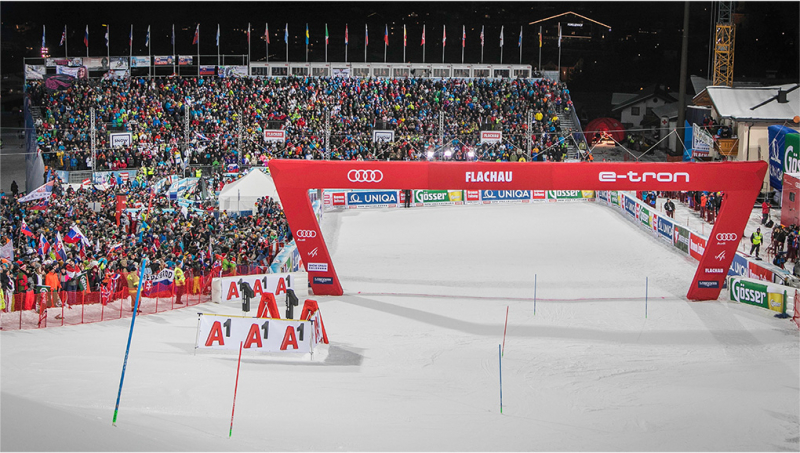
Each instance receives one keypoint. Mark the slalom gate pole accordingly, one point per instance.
(646, 284)
(504, 333)
(130, 335)
(235, 388)
(534, 294)
(500, 360)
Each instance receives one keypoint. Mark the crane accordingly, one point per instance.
(724, 43)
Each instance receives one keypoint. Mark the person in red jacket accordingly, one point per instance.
(764, 212)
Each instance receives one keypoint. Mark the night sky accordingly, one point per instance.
(642, 48)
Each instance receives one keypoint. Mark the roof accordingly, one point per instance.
(754, 103)
(699, 83)
(645, 94)
(574, 14)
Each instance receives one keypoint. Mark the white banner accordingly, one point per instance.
(702, 141)
(232, 71)
(382, 136)
(79, 72)
(140, 62)
(34, 72)
(274, 135)
(226, 289)
(264, 334)
(491, 136)
(120, 139)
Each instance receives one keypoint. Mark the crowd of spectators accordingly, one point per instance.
(170, 232)
(228, 116)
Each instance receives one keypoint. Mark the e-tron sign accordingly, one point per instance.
(740, 181)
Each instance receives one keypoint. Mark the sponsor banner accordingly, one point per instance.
(665, 228)
(702, 142)
(79, 72)
(489, 176)
(630, 206)
(317, 267)
(339, 198)
(491, 137)
(184, 60)
(374, 198)
(644, 216)
(783, 157)
(708, 284)
(103, 177)
(35, 72)
(496, 196)
(53, 62)
(323, 280)
(791, 152)
(118, 63)
(748, 292)
(759, 272)
(426, 197)
(207, 70)
(539, 194)
(680, 238)
(614, 198)
(382, 136)
(697, 246)
(569, 194)
(232, 71)
(140, 62)
(263, 334)
(603, 195)
(120, 139)
(472, 196)
(340, 72)
(739, 266)
(116, 74)
(274, 135)
(162, 60)
(226, 289)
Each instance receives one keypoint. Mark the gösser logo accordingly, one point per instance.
(727, 236)
(365, 176)
(632, 176)
(306, 234)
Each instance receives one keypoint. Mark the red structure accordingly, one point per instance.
(740, 181)
(608, 125)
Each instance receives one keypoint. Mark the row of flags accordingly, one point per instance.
(196, 38)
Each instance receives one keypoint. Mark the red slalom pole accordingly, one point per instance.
(504, 335)
(235, 388)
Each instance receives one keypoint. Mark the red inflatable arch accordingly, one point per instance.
(613, 127)
(740, 181)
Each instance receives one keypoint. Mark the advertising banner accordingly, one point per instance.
(759, 272)
(184, 60)
(116, 74)
(751, 292)
(570, 194)
(118, 139)
(232, 71)
(226, 289)
(442, 197)
(163, 60)
(51, 62)
(264, 334)
(702, 142)
(665, 228)
(498, 196)
(34, 72)
(630, 206)
(140, 62)
(783, 158)
(472, 196)
(102, 177)
(603, 196)
(739, 266)
(79, 72)
(274, 135)
(376, 198)
(339, 199)
(117, 63)
(681, 238)
(791, 153)
(614, 197)
(539, 194)
(340, 72)
(382, 136)
(644, 216)
(697, 246)
(491, 137)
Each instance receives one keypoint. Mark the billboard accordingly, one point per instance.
(140, 62)
(495, 196)
(273, 135)
(491, 137)
(163, 60)
(382, 136)
(697, 246)
(428, 197)
(34, 72)
(680, 238)
(782, 157)
(665, 228)
(372, 198)
(120, 139)
(232, 71)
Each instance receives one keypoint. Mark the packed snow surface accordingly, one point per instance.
(413, 361)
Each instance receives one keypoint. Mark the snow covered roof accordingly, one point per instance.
(739, 103)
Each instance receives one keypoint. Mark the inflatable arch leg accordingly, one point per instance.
(309, 308)
(268, 308)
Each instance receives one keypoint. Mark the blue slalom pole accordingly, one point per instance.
(645, 296)
(500, 359)
(534, 294)
(130, 335)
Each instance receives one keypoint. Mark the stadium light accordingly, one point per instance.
(430, 155)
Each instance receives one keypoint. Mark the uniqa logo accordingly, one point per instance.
(305, 234)
(743, 294)
(365, 176)
(632, 176)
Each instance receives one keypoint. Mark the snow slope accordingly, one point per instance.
(413, 360)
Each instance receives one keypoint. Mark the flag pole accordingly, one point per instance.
(286, 36)
(266, 32)
(423, 43)
(248, 48)
(463, 41)
(174, 56)
(108, 46)
(197, 30)
(366, 41)
(559, 51)
(404, 43)
(520, 44)
(444, 40)
(540, 48)
(502, 38)
(131, 48)
(149, 54)
(385, 40)
(346, 39)
(326, 43)
(482, 44)
(65, 42)
(87, 41)
(306, 42)
(217, 44)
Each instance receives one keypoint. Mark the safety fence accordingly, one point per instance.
(29, 310)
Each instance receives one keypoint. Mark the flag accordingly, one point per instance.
(444, 35)
(115, 246)
(86, 37)
(74, 235)
(559, 34)
(43, 44)
(345, 34)
(40, 207)
(501, 35)
(173, 35)
(147, 38)
(196, 34)
(25, 230)
(44, 246)
(63, 37)
(201, 136)
(266, 33)
(463, 36)
(58, 247)
(405, 37)
(217, 35)
(43, 191)
(520, 37)
(481, 35)
(286, 33)
(130, 37)
(366, 35)
(306, 34)
(540, 38)
(423, 36)
(7, 251)
(386, 35)
(326, 34)
(248, 33)
(106, 35)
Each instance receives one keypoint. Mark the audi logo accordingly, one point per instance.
(727, 236)
(365, 176)
(305, 234)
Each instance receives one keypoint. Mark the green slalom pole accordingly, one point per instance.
(130, 335)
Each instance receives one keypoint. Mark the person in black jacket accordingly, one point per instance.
(669, 206)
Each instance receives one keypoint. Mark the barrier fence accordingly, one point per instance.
(30, 311)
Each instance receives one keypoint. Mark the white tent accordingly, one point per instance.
(241, 195)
